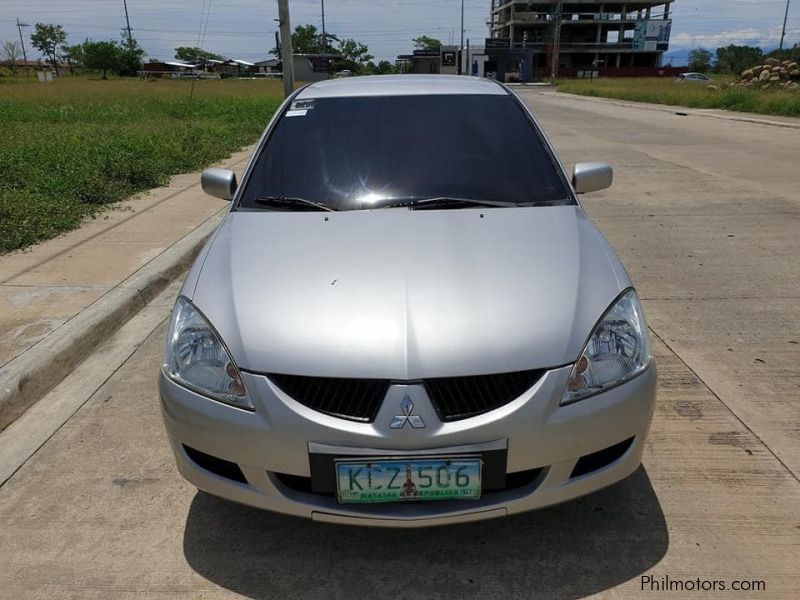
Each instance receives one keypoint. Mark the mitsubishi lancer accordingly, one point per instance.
(406, 318)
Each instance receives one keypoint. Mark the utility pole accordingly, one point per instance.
(128, 23)
(461, 44)
(22, 42)
(785, 19)
(286, 48)
(556, 44)
(324, 47)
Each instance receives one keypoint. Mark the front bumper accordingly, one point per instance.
(537, 433)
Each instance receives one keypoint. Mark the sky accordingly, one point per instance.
(245, 29)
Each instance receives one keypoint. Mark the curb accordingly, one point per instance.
(680, 110)
(31, 375)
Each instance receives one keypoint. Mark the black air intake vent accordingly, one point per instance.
(354, 399)
(218, 466)
(603, 458)
(461, 397)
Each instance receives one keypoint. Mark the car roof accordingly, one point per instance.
(401, 85)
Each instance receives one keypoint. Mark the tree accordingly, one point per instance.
(384, 67)
(48, 39)
(131, 55)
(102, 56)
(12, 51)
(327, 44)
(699, 59)
(194, 54)
(354, 56)
(424, 42)
(74, 56)
(735, 59)
(306, 39)
(791, 54)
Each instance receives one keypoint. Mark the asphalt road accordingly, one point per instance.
(705, 214)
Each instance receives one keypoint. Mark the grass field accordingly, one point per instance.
(665, 91)
(70, 148)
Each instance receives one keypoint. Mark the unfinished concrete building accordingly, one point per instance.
(593, 33)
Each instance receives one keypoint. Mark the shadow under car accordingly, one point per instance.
(566, 551)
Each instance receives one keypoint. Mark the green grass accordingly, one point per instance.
(666, 91)
(71, 148)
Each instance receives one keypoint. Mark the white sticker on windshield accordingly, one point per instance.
(296, 113)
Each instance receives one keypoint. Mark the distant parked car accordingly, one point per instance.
(693, 78)
(345, 73)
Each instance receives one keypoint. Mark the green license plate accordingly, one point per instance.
(399, 480)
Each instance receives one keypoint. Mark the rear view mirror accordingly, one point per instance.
(591, 177)
(220, 183)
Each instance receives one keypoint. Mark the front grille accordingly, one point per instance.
(453, 398)
(457, 398)
(354, 399)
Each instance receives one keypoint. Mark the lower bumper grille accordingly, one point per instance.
(217, 466)
(597, 460)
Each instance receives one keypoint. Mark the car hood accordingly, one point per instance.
(405, 295)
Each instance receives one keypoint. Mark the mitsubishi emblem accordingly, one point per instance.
(399, 421)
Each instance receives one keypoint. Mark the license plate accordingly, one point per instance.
(399, 480)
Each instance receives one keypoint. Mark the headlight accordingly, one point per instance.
(617, 350)
(197, 359)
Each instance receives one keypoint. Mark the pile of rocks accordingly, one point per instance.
(772, 74)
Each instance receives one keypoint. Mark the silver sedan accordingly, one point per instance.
(406, 318)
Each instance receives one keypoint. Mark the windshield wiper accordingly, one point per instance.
(446, 202)
(293, 203)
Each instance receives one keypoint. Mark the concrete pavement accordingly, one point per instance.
(100, 511)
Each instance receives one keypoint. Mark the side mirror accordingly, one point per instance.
(591, 177)
(220, 183)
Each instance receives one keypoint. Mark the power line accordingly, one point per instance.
(128, 23)
(324, 38)
(22, 41)
(205, 27)
(556, 44)
(461, 44)
(201, 37)
(785, 19)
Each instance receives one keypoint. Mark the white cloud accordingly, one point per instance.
(748, 36)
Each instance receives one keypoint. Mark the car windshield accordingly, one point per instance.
(370, 152)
